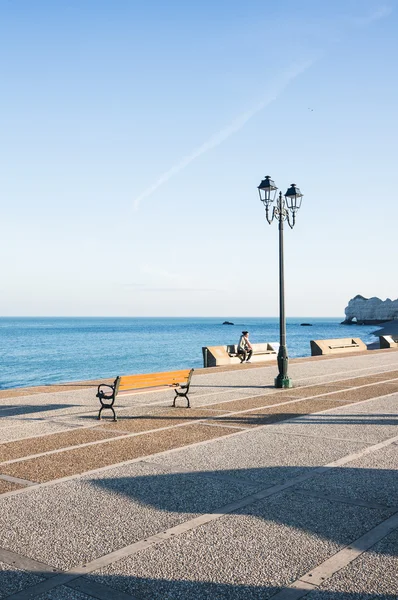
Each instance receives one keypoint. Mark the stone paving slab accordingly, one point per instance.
(259, 456)
(64, 593)
(255, 402)
(316, 390)
(76, 521)
(54, 441)
(288, 536)
(30, 429)
(369, 379)
(372, 576)
(81, 460)
(373, 478)
(13, 580)
(274, 414)
(8, 486)
(342, 366)
(362, 422)
(70, 523)
(162, 418)
(373, 391)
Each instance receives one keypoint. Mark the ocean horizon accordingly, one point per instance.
(46, 350)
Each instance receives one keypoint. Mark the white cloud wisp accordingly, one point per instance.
(283, 81)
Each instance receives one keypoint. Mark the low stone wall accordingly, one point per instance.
(388, 341)
(337, 346)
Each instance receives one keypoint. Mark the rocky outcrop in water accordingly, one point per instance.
(370, 311)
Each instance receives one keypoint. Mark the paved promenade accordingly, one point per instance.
(252, 493)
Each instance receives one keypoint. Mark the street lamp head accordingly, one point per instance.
(267, 191)
(293, 197)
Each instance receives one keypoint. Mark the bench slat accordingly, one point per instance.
(128, 382)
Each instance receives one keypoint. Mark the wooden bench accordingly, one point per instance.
(179, 380)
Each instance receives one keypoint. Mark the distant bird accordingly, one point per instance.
(311, 109)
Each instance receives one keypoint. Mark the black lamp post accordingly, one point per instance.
(285, 209)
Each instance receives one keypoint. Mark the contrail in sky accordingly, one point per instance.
(278, 86)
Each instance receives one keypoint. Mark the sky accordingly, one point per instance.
(134, 134)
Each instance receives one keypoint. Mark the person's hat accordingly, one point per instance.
(245, 332)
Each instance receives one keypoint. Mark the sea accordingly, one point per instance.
(40, 351)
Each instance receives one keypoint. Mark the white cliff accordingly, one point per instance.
(370, 310)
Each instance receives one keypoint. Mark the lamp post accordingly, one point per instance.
(284, 210)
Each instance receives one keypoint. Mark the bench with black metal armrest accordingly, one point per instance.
(178, 380)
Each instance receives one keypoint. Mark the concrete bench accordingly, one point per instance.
(215, 356)
(388, 341)
(179, 380)
(336, 346)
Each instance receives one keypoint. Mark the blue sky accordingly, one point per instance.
(134, 136)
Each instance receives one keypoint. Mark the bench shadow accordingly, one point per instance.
(256, 420)
(10, 410)
(229, 387)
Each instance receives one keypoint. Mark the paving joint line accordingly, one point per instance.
(346, 372)
(291, 392)
(72, 427)
(172, 450)
(315, 436)
(12, 479)
(345, 500)
(328, 566)
(325, 570)
(224, 425)
(134, 434)
(24, 563)
(68, 428)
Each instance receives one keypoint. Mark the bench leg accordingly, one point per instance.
(110, 408)
(181, 396)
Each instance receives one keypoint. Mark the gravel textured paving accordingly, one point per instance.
(73, 522)
(260, 456)
(158, 419)
(81, 460)
(46, 443)
(30, 429)
(251, 553)
(64, 593)
(373, 478)
(370, 422)
(372, 576)
(274, 414)
(8, 486)
(248, 555)
(372, 391)
(261, 400)
(13, 580)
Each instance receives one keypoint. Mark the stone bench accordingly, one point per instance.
(388, 341)
(215, 356)
(337, 346)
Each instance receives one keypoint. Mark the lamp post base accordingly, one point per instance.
(283, 382)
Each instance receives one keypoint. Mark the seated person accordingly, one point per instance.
(245, 349)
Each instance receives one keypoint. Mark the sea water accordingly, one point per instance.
(39, 351)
